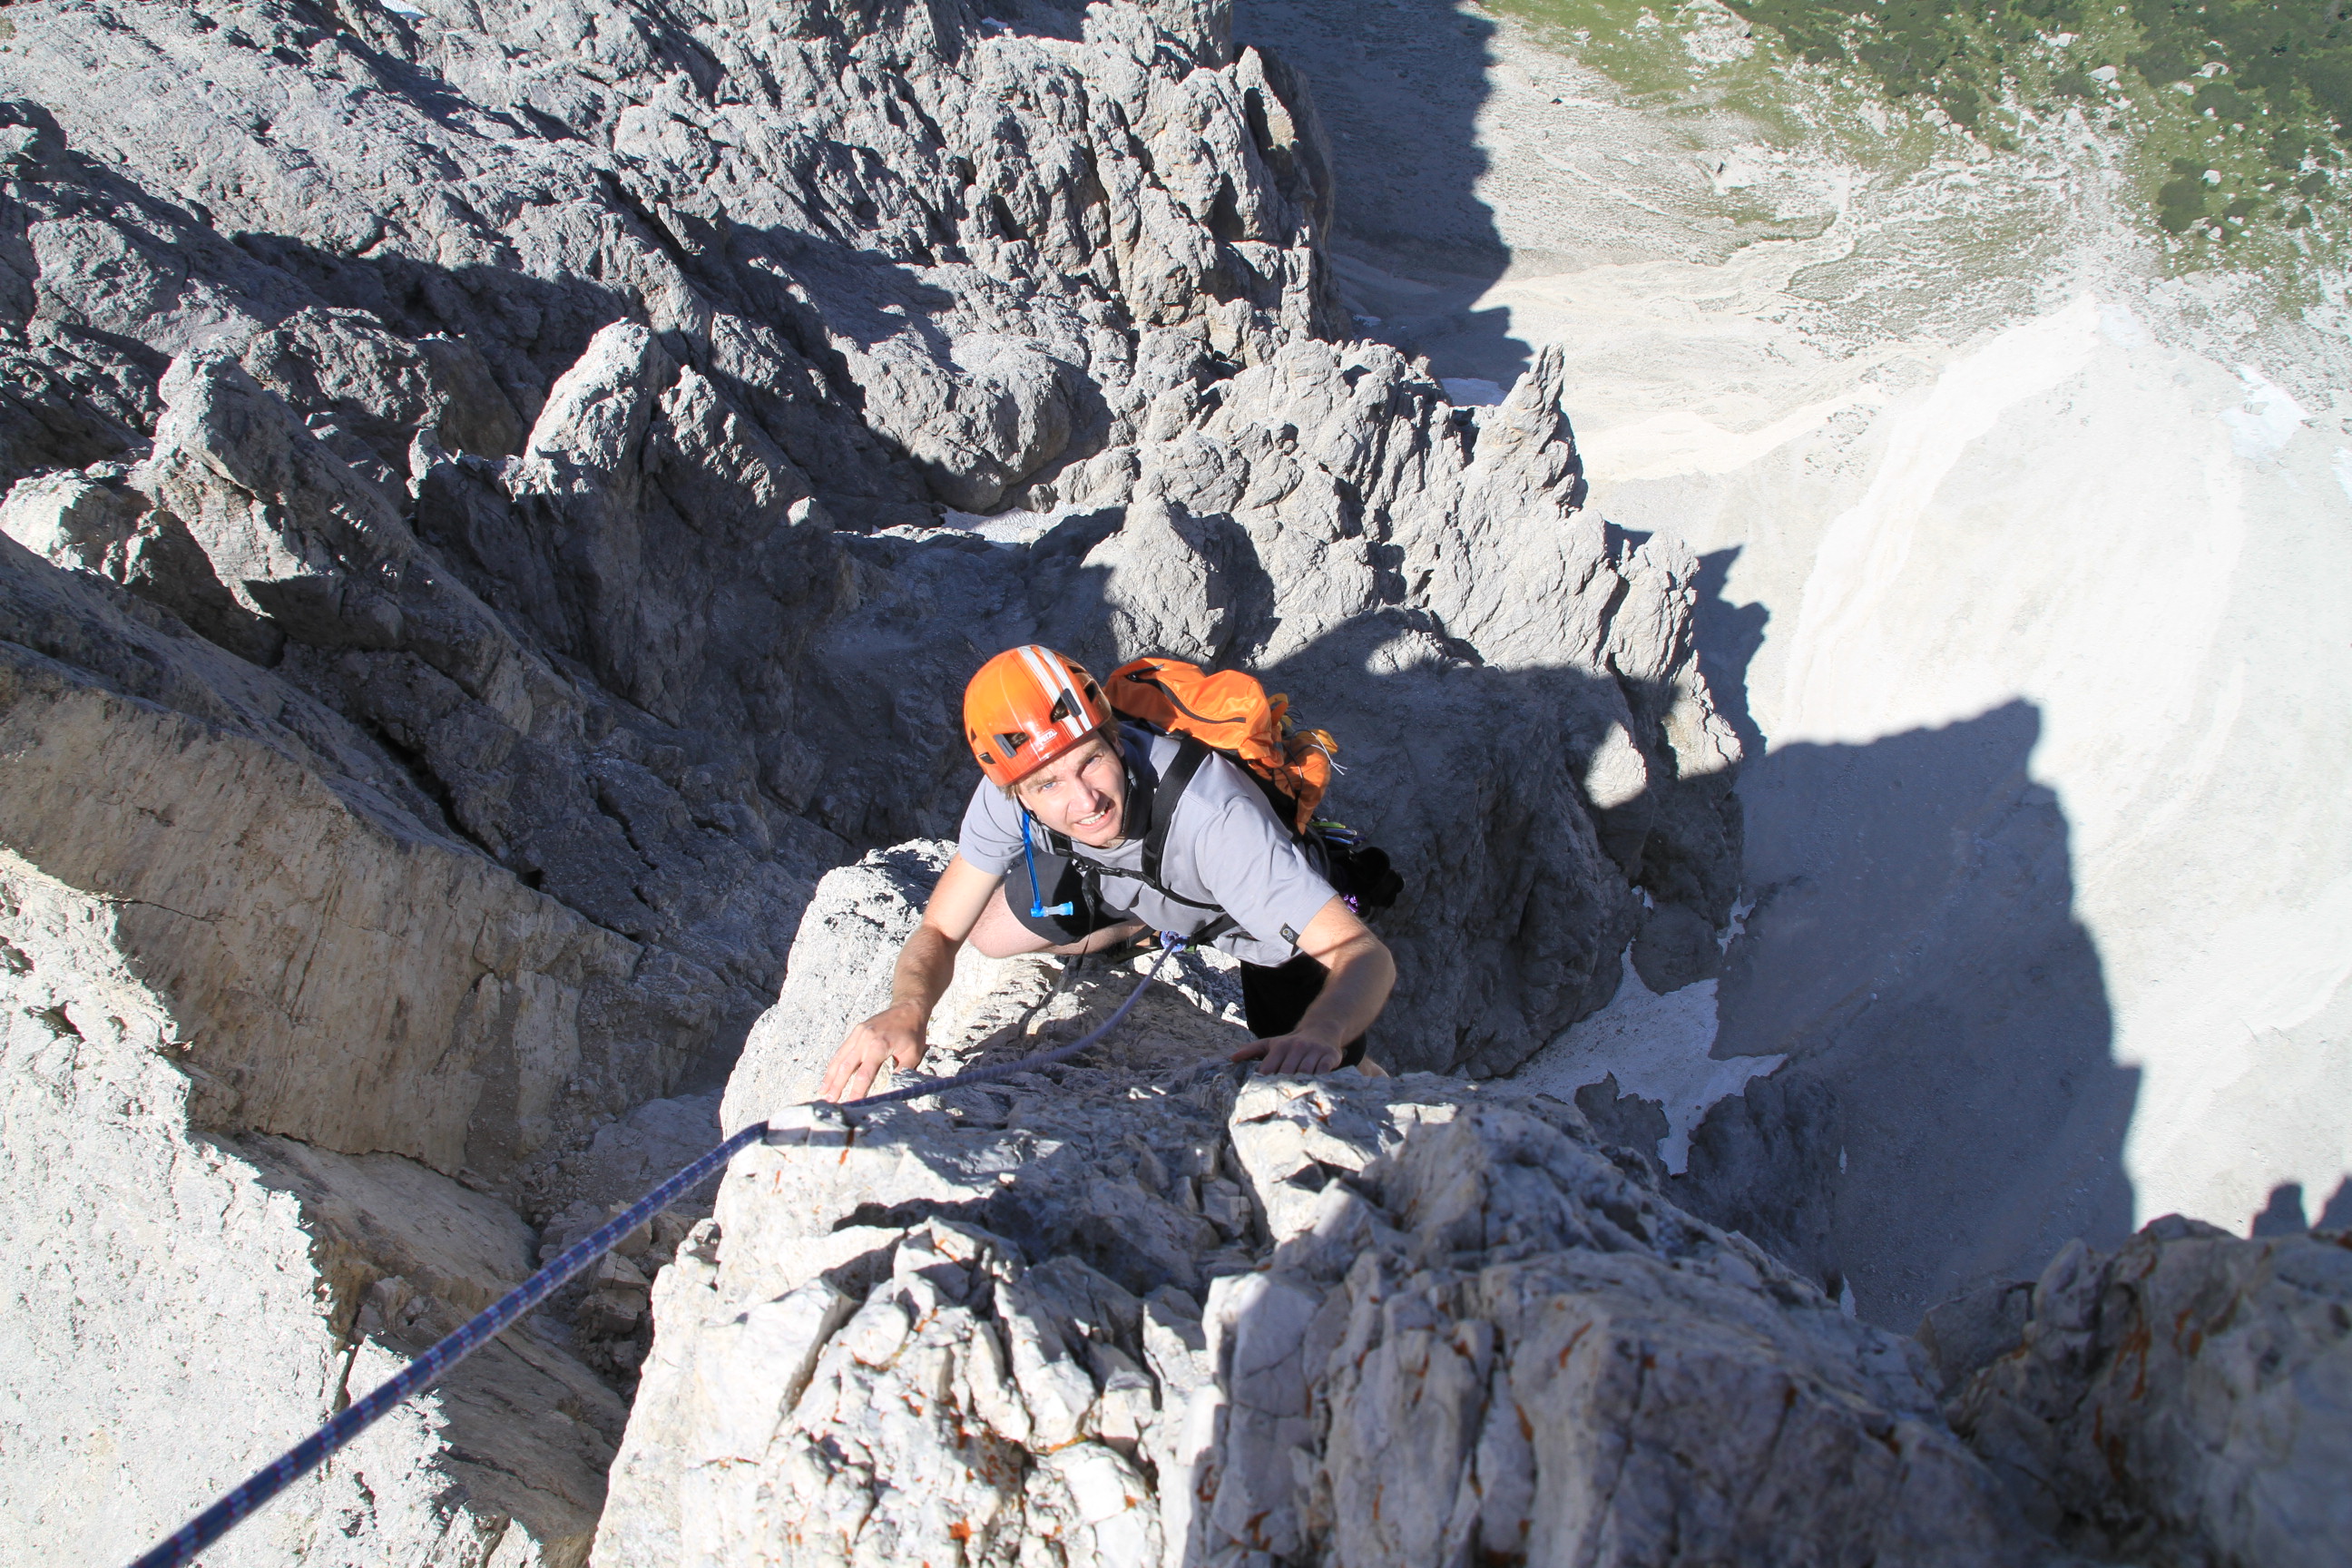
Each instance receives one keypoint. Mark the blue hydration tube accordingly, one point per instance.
(1038, 908)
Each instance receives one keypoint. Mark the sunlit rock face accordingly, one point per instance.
(493, 523)
(1160, 1310)
(2182, 1398)
(505, 498)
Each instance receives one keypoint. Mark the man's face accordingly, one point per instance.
(1081, 794)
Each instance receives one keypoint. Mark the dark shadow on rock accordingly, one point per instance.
(1764, 1163)
(1951, 1113)
(2282, 1215)
(1625, 1121)
(1967, 1334)
(1052, 1204)
(1399, 86)
(1728, 637)
(2337, 1215)
(1676, 947)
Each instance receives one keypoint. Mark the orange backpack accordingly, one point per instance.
(1229, 711)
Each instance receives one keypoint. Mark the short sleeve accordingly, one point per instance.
(1258, 874)
(989, 838)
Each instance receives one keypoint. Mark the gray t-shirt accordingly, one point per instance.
(1225, 847)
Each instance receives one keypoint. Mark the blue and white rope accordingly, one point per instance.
(181, 1545)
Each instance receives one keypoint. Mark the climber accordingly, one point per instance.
(1060, 770)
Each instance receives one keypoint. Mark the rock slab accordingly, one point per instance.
(2185, 1399)
(1189, 1315)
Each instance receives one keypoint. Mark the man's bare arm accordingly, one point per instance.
(926, 967)
(1361, 974)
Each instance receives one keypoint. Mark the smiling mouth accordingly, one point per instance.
(1092, 821)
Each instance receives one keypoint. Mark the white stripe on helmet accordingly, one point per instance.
(1033, 656)
(1053, 673)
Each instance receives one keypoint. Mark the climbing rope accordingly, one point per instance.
(257, 1488)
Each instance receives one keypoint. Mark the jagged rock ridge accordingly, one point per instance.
(1142, 1312)
(1148, 1309)
(473, 565)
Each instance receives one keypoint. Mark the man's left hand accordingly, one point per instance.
(1292, 1053)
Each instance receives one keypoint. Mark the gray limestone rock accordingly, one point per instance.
(273, 875)
(1438, 1322)
(1542, 1314)
(368, 392)
(191, 1305)
(1965, 1335)
(328, 1015)
(476, 559)
(295, 534)
(1675, 947)
(1623, 1119)
(2185, 1399)
(71, 519)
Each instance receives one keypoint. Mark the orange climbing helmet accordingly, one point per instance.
(1027, 706)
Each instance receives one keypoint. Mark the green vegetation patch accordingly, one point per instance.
(2229, 89)
(2288, 64)
(2231, 119)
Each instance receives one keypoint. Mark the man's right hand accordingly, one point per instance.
(894, 1034)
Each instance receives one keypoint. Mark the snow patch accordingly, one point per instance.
(1737, 924)
(1472, 392)
(1009, 528)
(1657, 1046)
(2266, 421)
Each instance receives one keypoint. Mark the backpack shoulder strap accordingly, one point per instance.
(1189, 754)
(1160, 798)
